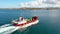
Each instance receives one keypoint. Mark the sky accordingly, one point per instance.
(11, 3)
(29, 3)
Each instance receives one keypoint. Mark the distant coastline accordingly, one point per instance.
(31, 8)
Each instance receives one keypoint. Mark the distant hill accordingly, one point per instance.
(40, 8)
(32, 8)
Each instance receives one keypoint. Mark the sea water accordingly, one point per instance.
(49, 20)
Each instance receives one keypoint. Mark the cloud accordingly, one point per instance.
(41, 3)
(31, 4)
(53, 1)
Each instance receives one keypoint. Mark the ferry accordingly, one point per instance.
(25, 22)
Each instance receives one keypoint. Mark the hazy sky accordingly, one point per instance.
(29, 3)
(11, 3)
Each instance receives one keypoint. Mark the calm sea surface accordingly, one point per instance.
(49, 20)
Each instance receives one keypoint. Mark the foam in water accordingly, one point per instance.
(7, 29)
